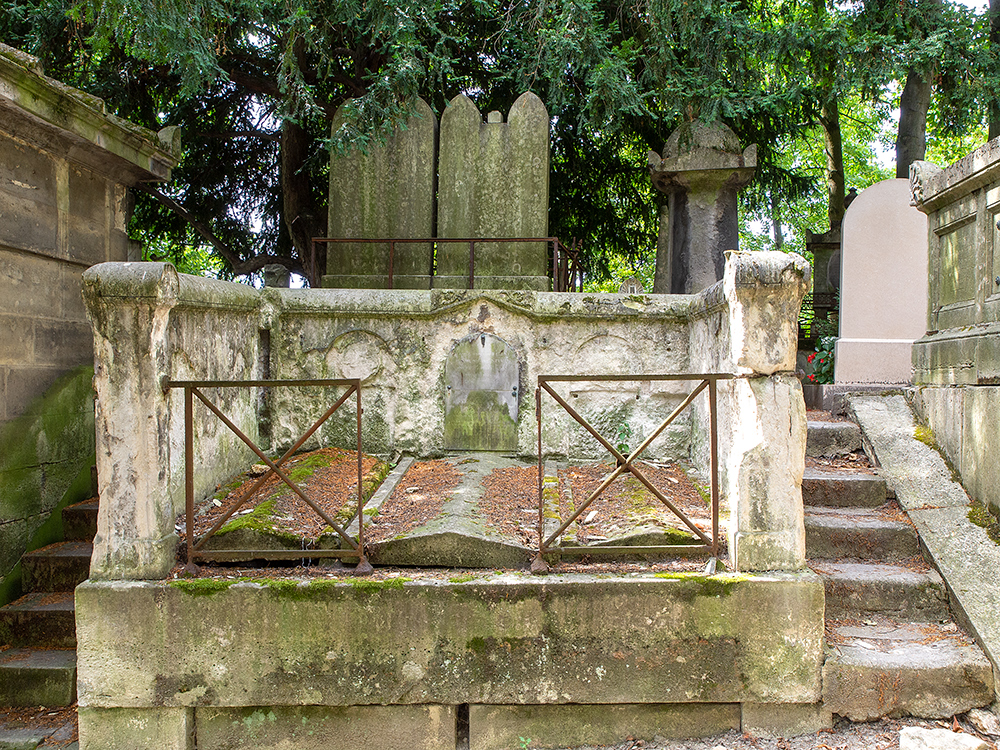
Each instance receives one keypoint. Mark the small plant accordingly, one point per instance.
(623, 438)
(523, 742)
(822, 361)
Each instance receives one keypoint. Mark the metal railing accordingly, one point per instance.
(196, 549)
(627, 463)
(566, 271)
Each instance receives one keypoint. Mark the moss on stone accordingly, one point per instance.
(202, 586)
(716, 586)
(462, 578)
(980, 515)
(261, 520)
(370, 586)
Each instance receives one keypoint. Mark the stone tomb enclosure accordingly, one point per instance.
(207, 663)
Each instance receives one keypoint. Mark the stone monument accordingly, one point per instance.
(883, 286)
(702, 170)
(493, 181)
(386, 193)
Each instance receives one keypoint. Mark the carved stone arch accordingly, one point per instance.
(361, 354)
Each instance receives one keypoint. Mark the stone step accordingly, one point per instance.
(40, 619)
(861, 589)
(832, 439)
(58, 567)
(903, 669)
(37, 677)
(80, 520)
(858, 533)
(842, 489)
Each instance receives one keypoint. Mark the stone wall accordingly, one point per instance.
(957, 363)
(65, 168)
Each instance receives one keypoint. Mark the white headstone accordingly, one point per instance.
(883, 286)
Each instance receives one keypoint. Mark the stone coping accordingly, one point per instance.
(60, 118)
(934, 187)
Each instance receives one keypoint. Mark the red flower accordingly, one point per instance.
(811, 357)
(811, 376)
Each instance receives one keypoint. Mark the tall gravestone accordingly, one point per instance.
(493, 181)
(387, 193)
(702, 170)
(883, 286)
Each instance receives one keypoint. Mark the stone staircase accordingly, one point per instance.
(38, 631)
(893, 648)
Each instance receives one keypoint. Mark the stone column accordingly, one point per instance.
(750, 329)
(702, 170)
(129, 307)
(386, 193)
(494, 182)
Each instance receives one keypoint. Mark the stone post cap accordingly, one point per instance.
(764, 292)
(147, 281)
(695, 150)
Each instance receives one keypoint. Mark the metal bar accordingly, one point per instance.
(260, 481)
(273, 554)
(392, 252)
(623, 463)
(555, 268)
(679, 549)
(632, 378)
(541, 498)
(295, 488)
(713, 422)
(189, 476)
(422, 240)
(257, 383)
(472, 264)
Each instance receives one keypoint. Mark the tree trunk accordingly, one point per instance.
(779, 237)
(829, 119)
(911, 139)
(995, 43)
(300, 211)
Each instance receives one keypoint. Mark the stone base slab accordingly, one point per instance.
(136, 729)
(323, 727)
(400, 281)
(785, 719)
(873, 361)
(506, 727)
(497, 639)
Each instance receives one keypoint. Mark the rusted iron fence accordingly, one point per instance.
(627, 464)
(196, 548)
(567, 275)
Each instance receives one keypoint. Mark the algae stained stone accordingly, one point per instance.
(481, 395)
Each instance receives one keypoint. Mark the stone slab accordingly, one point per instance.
(924, 738)
(506, 727)
(842, 489)
(893, 590)
(37, 677)
(857, 533)
(965, 556)
(322, 727)
(22, 739)
(904, 669)
(501, 639)
(832, 439)
(772, 720)
(136, 729)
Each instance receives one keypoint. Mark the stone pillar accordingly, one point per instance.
(129, 307)
(386, 193)
(750, 329)
(494, 182)
(702, 170)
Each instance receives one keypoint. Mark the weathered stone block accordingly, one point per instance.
(17, 342)
(785, 719)
(320, 727)
(136, 728)
(503, 727)
(511, 640)
(25, 283)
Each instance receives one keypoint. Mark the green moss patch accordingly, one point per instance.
(980, 515)
(708, 585)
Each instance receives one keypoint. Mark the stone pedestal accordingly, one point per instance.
(702, 170)
(494, 182)
(385, 194)
(883, 286)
